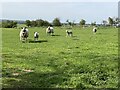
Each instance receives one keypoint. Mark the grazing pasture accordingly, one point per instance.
(85, 60)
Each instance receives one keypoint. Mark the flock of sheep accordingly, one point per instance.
(24, 33)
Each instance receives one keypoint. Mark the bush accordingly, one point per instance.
(37, 23)
(9, 24)
(56, 22)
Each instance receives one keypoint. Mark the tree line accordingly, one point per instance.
(56, 22)
(9, 24)
(40, 22)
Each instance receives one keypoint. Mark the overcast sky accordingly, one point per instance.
(90, 11)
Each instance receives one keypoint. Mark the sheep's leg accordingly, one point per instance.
(20, 38)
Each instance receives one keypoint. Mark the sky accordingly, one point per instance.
(73, 10)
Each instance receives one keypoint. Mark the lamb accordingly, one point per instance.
(36, 36)
(69, 33)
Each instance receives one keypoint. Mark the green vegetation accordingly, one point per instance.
(110, 20)
(56, 22)
(82, 22)
(37, 23)
(85, 60)
(9, 24)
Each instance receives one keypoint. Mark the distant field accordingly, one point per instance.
(85, 60)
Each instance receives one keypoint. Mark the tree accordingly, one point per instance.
(40, 22)
(9, 24)
(28, 23)
(69, 23)
(117, 20)
(14, 24)
(33, 23)
(82, 22)
(56, 22)
(46, 23)
(73, 23)
(110, 21)
(104, 22)
(67, 20)
(93, 23)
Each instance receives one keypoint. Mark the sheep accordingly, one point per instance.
(36, 36)
(49, 30)
(69, 33)
(94, 29)
(24, 34)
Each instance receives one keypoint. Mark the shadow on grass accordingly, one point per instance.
(75, 39)
(55, 35)
(35, 80)
(39, 41)
(62, 74)
(5, 55)
(74, 36)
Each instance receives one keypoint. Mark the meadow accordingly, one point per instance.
(85, 60)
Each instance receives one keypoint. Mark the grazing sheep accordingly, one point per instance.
(49, 30)
(36, 36)
(94, 29)
(69, 33)
(24, 34)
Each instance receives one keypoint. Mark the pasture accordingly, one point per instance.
(85, 60)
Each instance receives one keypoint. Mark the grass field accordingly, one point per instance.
(85, 60)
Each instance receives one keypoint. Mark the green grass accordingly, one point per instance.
(85, 60)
